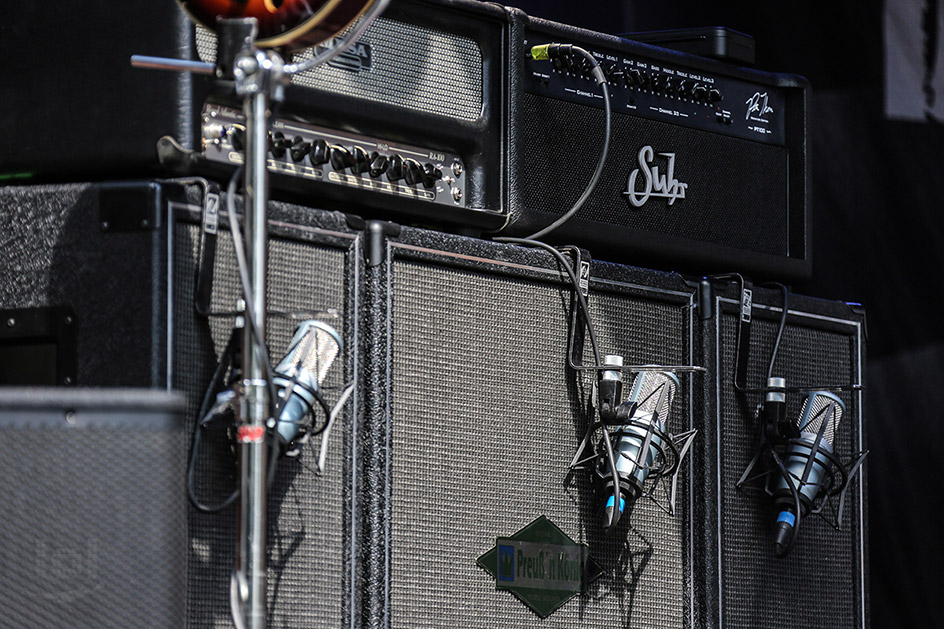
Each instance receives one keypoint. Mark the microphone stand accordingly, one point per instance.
(260, 79)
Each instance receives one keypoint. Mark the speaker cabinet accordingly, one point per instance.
(472, 418)
(94, 510)
(120, 261)
(313, 261)
(85, 285)
(823, 581)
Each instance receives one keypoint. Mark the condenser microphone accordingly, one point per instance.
(300, 375)
(806, 464)
(639, 436)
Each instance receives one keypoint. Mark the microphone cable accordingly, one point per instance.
(551, 51)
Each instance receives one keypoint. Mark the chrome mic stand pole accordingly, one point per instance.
(260, 82)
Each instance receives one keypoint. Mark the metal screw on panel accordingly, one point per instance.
(11, 322)
(70, 418)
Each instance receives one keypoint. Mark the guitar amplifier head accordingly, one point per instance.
(423, 86)
(707, 166)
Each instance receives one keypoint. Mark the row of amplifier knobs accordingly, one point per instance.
(620, 76)
(354, 159)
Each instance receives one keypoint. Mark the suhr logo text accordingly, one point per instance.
(654, 183)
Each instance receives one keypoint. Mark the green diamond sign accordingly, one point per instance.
(540, 565)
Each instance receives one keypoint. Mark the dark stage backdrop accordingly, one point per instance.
(877, 71)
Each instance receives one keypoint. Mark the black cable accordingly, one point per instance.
(201, 422)
(783, 324)
(581, 300)
(554, 49)
(598, 360)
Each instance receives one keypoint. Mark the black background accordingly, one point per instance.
(877, 240)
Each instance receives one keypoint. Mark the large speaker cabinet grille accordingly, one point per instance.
(819, 583)
(305, 510)
(733, 184)
(486, 418)
(93, 515)
(413, 67)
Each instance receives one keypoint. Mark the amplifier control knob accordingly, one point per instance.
(341, 158)
(715, 95)
(614, 76)
(634, 78)
(361, 160)
(278, 143)
(430, 175)
(699, 92)
(684, 89)
(412, 171)
(395, 170)
(300, 148)
(378, 164)
(319, 153)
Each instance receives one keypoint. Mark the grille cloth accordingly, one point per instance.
(485, 422)
(412, 67)
(305, 511)
(91, 527)
(734, 185)
(817, 584)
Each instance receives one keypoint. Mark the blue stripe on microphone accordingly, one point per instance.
(786, 516)
(610, 502)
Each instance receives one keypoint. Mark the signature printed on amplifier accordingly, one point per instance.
(757, 105)
(664, 186)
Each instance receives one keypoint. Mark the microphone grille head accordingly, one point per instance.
(653, 392)
(821, 407)
(313, 350)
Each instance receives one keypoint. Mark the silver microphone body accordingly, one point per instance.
(650, 399)
(301, 373)
(820, 415)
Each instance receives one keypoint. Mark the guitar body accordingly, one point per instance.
(287, 24)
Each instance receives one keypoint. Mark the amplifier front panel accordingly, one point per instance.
(748, 179)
